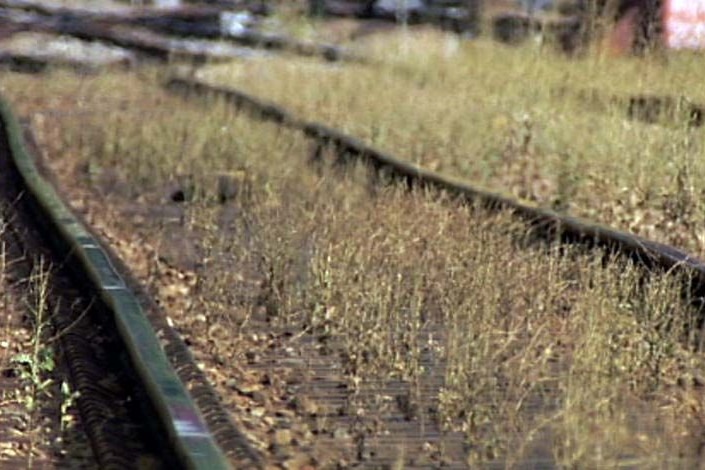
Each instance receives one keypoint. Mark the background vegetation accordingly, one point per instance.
(549, 129)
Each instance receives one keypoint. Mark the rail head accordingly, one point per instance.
(178, 415)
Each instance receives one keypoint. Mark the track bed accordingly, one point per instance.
(350, 324)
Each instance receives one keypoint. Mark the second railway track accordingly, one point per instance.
(134, 407)
(543, 222)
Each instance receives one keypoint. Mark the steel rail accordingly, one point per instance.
(153, 32)
(543, 222)
(646, 107)
(178, 416)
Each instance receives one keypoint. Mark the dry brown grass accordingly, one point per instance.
(535, 350)
(515, 120)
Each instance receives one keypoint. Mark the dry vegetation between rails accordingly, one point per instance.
(521, 120)
(412, 305)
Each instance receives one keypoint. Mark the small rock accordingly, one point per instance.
(284, 413)
(341, 433)
(698, 381)
(282, 437)
(298, 462)
(302, 431)
(279, 452)
(259, 398)
(321, 426)
(251, 357)
(364, 452)
(249, 389)
(305, 406)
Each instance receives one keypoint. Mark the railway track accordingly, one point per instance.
(402, 417)
(541, 222)
(142, 398)
(412, 422)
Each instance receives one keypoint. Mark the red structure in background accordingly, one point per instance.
(642, 24)
(623, 36)
(637, 25)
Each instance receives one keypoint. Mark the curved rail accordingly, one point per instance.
(178, 415)
(547, 223)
